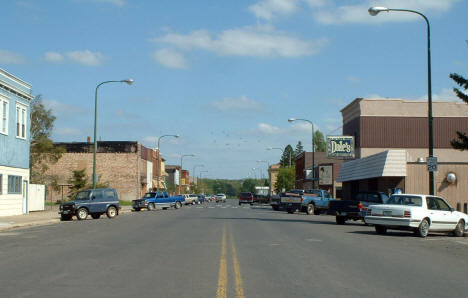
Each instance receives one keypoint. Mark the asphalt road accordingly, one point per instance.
(222, 250)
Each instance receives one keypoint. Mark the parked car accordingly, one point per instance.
(161, 199)
(190, 199)
(94, 202)
(246, 198)
(201, 199)
(291, 200)
(418, 213)
(355, 209)
(316, 201)
(275, 202)
(220, 198)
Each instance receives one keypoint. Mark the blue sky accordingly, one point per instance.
(225, 75)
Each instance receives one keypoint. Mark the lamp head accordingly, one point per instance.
(291, 119)
(374, 10)
(176, 136)
(128, 81)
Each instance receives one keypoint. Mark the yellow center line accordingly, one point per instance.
(237, 273)
(222, 278)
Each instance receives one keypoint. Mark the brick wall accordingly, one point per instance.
(120, 170)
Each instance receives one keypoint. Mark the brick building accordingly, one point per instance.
(127, 166)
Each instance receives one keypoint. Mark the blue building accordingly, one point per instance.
(15, 99)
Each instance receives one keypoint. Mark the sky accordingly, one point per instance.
(225, 75)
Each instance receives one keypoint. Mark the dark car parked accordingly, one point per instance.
(91, 201)
(246, 198)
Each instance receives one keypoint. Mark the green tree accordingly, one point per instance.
(43, 151)
(287, 158)
(286, 179)
(77, 182)
(299, 149)
(248, 185)
(462, 142)
(319, 140)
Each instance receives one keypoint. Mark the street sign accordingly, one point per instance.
(431, 164)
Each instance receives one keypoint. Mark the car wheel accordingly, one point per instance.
(340, 220)
(275, 207)
(65, 217)
(178, 205)
(251, 204)
(150, 206)
(459, 229)
(82, 213)
(111, 212)
(290, 210)
(423, 228)
(316, 212)
(310, 209)
(193, 203)
(136, 209)
(96, 215)
(381, 230)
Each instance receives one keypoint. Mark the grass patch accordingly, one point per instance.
(125, 203)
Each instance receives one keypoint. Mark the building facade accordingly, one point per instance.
(15, 99)
(391, 139)
(273, 176)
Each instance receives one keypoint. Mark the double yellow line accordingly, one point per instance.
(223, 278)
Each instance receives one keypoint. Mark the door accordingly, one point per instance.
(439, 213)
(96, 202)
(25, 197)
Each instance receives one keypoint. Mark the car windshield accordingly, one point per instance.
(405, 200)
(83, 195)
(149, 195)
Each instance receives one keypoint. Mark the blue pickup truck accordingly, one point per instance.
(160, 199)
(311, 201)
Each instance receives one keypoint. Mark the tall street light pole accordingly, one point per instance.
(290, 120)
(194, 168)
(128, 81)
(200, 176)
(180, 174)
(159, 157)
(271, 148)
(373, 11)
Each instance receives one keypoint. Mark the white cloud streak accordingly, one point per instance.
(7, 57)
(258, 41)
(54, 57)
(58, 107)
(170, 59)
(85, 57)
(242, 103)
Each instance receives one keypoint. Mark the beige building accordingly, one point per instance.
(391, 139)
(273, 176)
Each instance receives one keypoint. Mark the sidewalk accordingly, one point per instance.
(38, 218)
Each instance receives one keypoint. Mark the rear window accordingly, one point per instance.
(246, 194)
(405, 200)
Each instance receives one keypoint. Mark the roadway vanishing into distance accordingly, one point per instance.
(223, 250)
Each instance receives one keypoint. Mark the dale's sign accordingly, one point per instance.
(340, 146)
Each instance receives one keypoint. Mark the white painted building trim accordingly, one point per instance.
(12, 204)
(390, 163)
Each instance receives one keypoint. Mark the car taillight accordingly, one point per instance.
(359, 205)
(302, 199)
(407, 214)
(369, 212)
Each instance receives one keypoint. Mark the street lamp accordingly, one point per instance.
(373, 11)
(194, 168)
(128, 81)
(291, 120)
(159, 157)
(200, 177)
(180, 174)
(271, 148)
(264, 161)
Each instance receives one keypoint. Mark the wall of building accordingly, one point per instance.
(118, 169)
(12, 204)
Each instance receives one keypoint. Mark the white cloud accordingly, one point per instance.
(268, 129)
(242, 103)
(114, 2)
(86, 57)
(358, 13)
(446, 94)
(58, 107)
(7, 57)
(353, 79)
(170, 59)
(54, 57)
(258, 41)
(269, 9)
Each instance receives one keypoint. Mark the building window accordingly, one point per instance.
(14, 184)
(3, 116)
(21, 121)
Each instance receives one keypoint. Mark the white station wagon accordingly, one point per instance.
(419, 213)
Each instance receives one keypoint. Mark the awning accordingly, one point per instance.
(391, 163)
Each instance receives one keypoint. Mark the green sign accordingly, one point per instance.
(340, 146)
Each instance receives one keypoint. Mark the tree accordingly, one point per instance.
(299, 149)
(287, 157)
(43, 151)
(319, 140)
(248, 185)
(286, 179)
(462, 142)
(77, 182)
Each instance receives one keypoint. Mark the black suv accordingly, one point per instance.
(91, 201)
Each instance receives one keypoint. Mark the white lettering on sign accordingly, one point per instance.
(340, 147)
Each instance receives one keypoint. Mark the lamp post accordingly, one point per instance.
(193, 172)
(159, 157)
(180, 174)
(268, 166)
(271, 148)
(255, 174)
(128, 81)
(290, 120)
(373, 11)
(264, 161)
(200, 176)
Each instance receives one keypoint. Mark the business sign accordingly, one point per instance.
(340, 146)
(326, 175)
